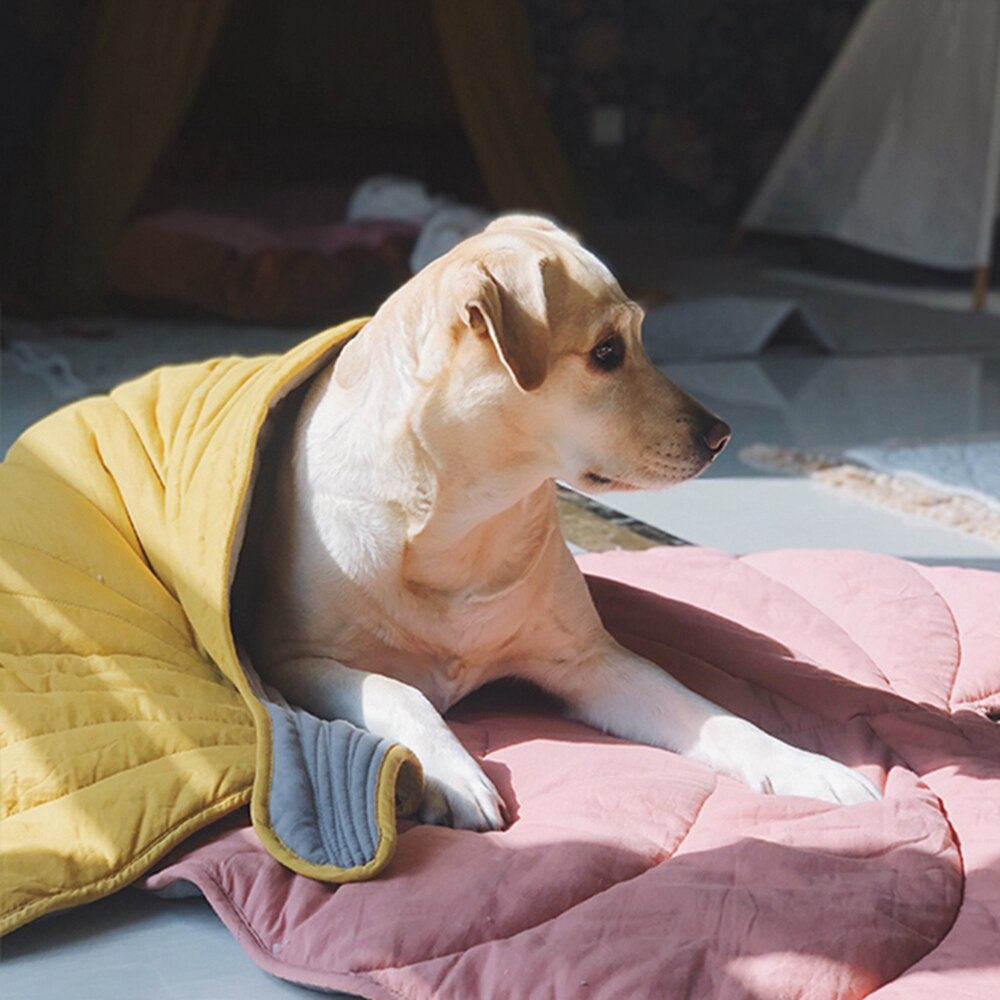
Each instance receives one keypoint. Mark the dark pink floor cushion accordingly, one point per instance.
(629, 872)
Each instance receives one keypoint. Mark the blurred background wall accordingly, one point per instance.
(658, 107)
(658, 97)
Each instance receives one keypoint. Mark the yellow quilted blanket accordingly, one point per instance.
(128, 719)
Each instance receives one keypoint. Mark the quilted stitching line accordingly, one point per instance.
(771, 692)
(680, 843)
(96, 611)
(234, 907)
(122, 411)
(130, 721)
(840, 628)
(193, 416)
(956, 840)
(369, 975)
(949, 703)
(160, 666)
(96, 444)
(120, 773)
(569, 909)
(76, 569)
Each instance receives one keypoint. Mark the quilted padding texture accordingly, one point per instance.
(630, 872)
(128, 720)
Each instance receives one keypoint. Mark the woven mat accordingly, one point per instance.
(908, 494)
(596, 528)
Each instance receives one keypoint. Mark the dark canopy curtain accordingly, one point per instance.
(136, 69)
(488, 53)
(130, 80)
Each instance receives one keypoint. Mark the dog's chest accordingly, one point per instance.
(446, 681)
(443, 675)
(444, 649)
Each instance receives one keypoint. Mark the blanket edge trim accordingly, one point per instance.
(107, 885)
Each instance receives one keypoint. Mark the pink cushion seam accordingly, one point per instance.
(530, 927)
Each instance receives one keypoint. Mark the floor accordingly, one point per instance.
(179, 949)
(130, 946)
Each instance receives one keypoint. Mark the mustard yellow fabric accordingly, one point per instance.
(127, 720)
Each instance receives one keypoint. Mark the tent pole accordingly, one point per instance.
(980, 287)
(981, 279)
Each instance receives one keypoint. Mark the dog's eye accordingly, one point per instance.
(609, 353)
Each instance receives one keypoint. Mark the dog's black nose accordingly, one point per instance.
(717, 436)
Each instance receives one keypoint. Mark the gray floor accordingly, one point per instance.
(134, 947)
(915, 373)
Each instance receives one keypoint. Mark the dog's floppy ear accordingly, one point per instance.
(509, 306)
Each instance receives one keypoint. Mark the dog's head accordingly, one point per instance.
(544, 342)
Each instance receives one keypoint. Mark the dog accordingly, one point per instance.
(414, 554)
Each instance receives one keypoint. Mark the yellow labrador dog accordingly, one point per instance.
(415, 554)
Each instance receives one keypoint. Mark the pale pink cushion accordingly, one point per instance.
(250, 235)
(630, 872)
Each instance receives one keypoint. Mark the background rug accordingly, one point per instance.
(954, 482)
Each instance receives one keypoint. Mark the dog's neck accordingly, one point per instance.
(449, 552)
(372, 442)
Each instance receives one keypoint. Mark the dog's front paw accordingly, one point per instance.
(457, 793)
(738, 748)
(798, 772)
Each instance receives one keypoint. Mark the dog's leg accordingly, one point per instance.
(456, 793)
(628, 696)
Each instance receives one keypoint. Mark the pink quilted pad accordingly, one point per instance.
(630, 872)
